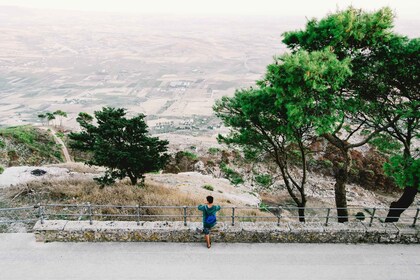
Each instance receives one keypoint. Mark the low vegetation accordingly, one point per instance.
(233, 176)
(208, 187)
(21, 145)
(122, 194)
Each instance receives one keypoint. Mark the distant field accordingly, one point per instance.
(172, 68)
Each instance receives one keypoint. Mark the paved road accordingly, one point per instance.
(23, 258)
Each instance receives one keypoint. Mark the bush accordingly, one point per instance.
(208, 187)
(326, 163)
(188, 155)
(60, 135)
(214, 151)
(1, 169)
(264, 180)
(233, 176)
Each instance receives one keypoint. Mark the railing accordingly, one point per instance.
(18, 215)
(231, 214)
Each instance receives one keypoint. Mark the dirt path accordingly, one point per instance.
(59, 141)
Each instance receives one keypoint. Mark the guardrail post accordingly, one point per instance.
(416, 217)
(233, 216)
(41, 213)
(328, 216)
(279, 216)
(90, 212)
(138, 214)
(185, 215)
(371, 218)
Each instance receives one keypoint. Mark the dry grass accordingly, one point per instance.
(79, 167)
(79, 192)
(76, 191)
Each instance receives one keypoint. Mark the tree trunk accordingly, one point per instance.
(133, 178)
(399, 206)
(341, 178)
(341, 200)
(301, 212)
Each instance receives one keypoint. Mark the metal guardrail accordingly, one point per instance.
(18, 215)
(232, 214)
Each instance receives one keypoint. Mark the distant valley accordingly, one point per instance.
(172, 70)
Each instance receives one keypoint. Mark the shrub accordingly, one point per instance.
(233, 176)
(264, 180)
(60, 135)
(189, 155)
(208, 187)
(213, 151)
(1, 169)
(326, 163)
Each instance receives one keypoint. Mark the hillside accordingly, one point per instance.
(28, 145)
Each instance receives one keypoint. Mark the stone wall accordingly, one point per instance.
(103, 231)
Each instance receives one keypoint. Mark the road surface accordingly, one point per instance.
(23, 258)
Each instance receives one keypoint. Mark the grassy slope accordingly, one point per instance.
(27, 145)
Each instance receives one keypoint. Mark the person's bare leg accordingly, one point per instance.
(207, 237)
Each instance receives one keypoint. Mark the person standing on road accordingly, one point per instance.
(209, 217)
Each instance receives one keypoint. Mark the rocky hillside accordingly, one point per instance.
(27, 145)
(261, 175)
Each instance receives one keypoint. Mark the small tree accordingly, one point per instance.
(50, 117)
(42, 117)
(61, 115)
(120, 144)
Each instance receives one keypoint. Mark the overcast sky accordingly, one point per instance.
(405, 9)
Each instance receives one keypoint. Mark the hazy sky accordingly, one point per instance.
(405, 9)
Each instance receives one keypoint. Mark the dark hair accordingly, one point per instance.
(209, 199)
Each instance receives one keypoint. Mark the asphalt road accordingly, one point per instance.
(23, 258)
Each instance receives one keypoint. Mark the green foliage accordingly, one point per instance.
(50, 116)
(233, 176)
(405, 171)
(349, 32)
(189, 155)
(60, 113)
(325, 163)
(264, 180)
(120, 144)
(22, 134)
(263, 207)
(1, 169)
(306, 84)
(208, 187)
(38, 141)
(2, 144)
(213, 151)
(60, 135)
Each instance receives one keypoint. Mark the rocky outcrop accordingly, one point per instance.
(243, 232)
